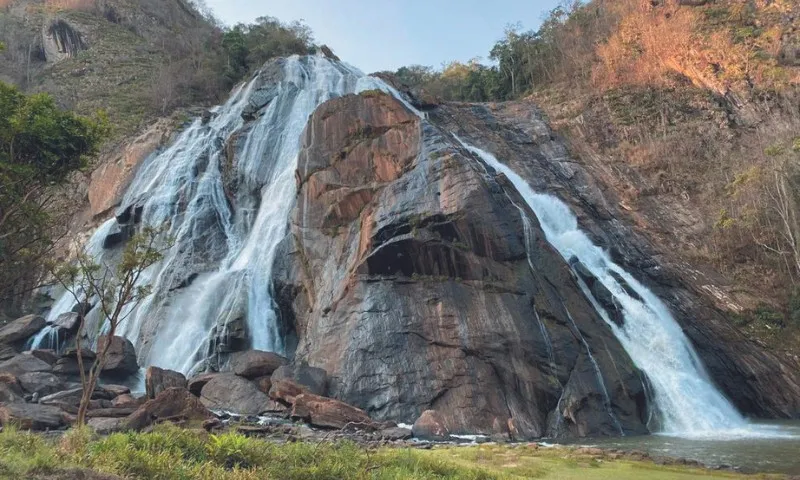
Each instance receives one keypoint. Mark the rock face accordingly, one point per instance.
(120, 357)
(409, 280)
(758, 382)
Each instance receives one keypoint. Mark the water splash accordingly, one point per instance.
(218, 269)
(686, 400)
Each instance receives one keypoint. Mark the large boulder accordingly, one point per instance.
(158, 379)
(24, 363)
(10, 389)
(430, 426)
(329, 413)
(170, 404)
(49, 356)
(21, 329)
(121, 356)
(315, 380)
(73, 396)
(40, 383)
(68, 322)
(28, 416)
(68, 363)
(106, 425)
(255, 363)
(286, 391)
(235, 394)
(197, 382)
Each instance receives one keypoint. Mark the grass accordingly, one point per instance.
(172, 453)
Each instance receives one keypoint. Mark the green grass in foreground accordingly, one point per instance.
(173, 453)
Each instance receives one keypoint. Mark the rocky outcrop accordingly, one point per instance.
(413, 283)
(158, 379)
(430, 426)
(759, 382)
(329, 413)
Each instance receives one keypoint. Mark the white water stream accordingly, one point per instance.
(687, 402)
(226, 253)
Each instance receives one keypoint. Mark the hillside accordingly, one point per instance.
(688, 113)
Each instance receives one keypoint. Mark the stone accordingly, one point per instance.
(10, 389)
(106, 425)
(171, 403)
(158, 379)
(264, 383)
(69, 366)
(197, 383)
(48, 356)
(394, 434)
(24, 363)
(235, 394)
(126, 400)
(28, 416)
(255, 363)
(286, 391)
(111, 412)
(329, 413)
(73, 396)
(8, 351)
(430, 426)
(116, 390)
(315, 380)
(40, 383)
(68, 322)
(21, 329)
(120, 357)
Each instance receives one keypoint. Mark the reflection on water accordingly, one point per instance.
(769, 447)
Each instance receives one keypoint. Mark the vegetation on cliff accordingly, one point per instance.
(692, 108)
(40, 146)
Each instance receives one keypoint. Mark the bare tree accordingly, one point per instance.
(116, 291)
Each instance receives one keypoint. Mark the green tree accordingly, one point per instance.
(40, 146)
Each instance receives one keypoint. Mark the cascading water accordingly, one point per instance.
(686, 400)
(218, 266)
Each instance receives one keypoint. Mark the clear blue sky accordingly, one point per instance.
(387, 34)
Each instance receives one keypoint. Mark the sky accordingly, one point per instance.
(378, 35)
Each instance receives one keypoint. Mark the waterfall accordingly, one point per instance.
(686, 401)
(217, 267)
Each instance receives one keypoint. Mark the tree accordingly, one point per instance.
(117, 292)
(40, 146)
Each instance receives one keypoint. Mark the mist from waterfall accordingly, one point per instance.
(222, 245)
(686, 401)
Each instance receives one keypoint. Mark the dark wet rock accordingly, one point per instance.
(8, 351)
(171, 403)
(28, 416)
(48, 356)
(255, 363)
(235, 394)
(112, 412)
(127, 400)
(73, 397)
(264, 383)
(329, 413)
(24, 363)
(197, 383)
(315, 380)
(10, 389)
(21, 329)
(69, 366)
(40, 383)
(158, 379)
(430, 426)
(120, 357)
(68, 322)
